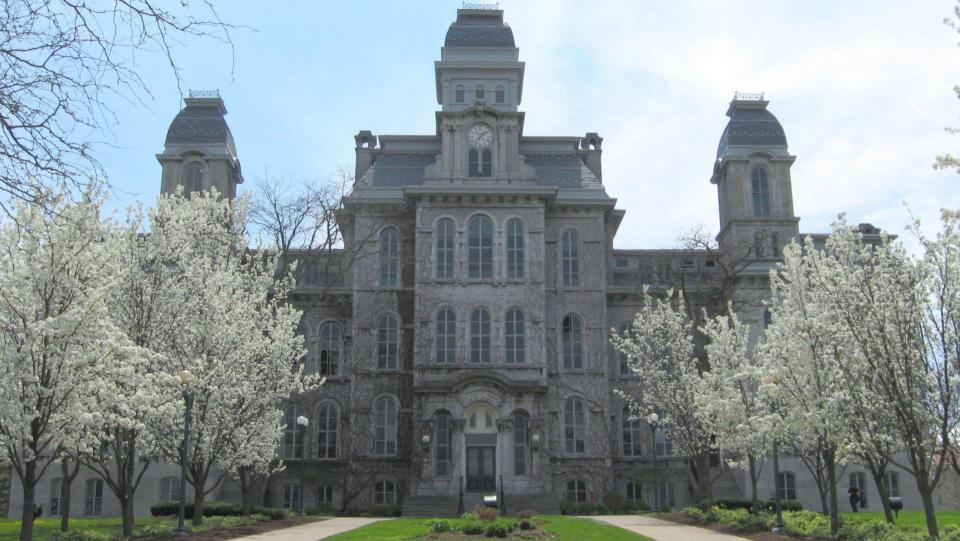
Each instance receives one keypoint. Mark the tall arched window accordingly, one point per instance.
(446, 336)
(327, 431)
(859, 480)
(480, 336)
(632, 435)
(385, 427)
(788, 485)
(389, 258)
(572, 339)
(480, 92)
(293, 434)
(622, 359)
(891, 484)
(515, 249)
(520, 444)
(761, 192)
(169, 488)
(514, 334)
(385, 493)
(93, 502)
(574, 427)
(570, 258)
(444, 249)
(388, 342)
(290, 492)
(480, 163)
(330, 346)
(576, 491)
(56, 497)
(442, 445)
(460, 94)
(499, 94)
(192, 177)
(480, 248)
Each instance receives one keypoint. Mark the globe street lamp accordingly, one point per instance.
(654, 421)
(304, 422)
(185, 379)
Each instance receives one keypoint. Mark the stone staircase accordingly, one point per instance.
(545, 504)
(446, 506)
(430, 506)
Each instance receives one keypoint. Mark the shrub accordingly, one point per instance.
(525, 524)
(385, 511)
(950, 532)
(323, 509)
(742, 520)
(163, 528)
(735, 503)
(486, 513)
(79, 535)
(526, 514)
(210, 509)
(570, 508)
(805, 524)
(469, 515)
(473, 527)
(701, 516)
(439, 525)
(273, 513)
(499, 528)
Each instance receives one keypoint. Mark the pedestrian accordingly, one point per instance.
(854, 493)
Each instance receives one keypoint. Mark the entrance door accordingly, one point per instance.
(481, 469)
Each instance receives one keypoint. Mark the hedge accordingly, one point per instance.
(213, 509)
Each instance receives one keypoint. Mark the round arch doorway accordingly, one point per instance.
(480, 440)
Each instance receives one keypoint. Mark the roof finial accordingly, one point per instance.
(474, 5)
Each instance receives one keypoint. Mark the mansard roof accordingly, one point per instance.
(479, 28)
(201, 123)
(751, 124)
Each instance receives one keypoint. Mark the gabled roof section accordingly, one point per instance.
(479, 28)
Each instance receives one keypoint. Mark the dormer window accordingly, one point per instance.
(479, 92)
(460, 94)
(500, 94)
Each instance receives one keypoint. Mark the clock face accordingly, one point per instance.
(480, 136)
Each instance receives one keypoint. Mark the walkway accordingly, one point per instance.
(312, 531)
(664, 530)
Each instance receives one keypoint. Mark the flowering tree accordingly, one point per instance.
(57, 344)
(659, 347)
(233, 330)
(738, 413)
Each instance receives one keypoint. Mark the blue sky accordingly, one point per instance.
(863, 90)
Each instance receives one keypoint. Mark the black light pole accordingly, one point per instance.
(654, 420)
(778, 522)
(304, 422)
(185, 378)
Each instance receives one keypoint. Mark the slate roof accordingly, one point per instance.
(751, 125)
(479, 29)
(201, 123)
(407, 169)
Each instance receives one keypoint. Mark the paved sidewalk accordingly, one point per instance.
(311, 532)
(664, 530)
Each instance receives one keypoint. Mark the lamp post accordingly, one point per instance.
(304, 422)
(654, 421)
(185, 379)
(778, 522)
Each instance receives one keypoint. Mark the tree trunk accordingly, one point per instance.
(198, 502)
(926, 494)
(126, 515)
(125, 483)
(830, 462)
(245, 490)
(877, 475)
(29, 488)
(754, 501)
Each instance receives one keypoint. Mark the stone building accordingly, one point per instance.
(463, 328)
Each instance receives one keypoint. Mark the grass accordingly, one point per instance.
(43, 527)
(562, 527)
(906, 518)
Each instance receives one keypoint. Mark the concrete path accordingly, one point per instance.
(664, 530)
(311, 532)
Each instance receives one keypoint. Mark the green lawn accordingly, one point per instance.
(906, 518)
(564, 528)
(44, 526)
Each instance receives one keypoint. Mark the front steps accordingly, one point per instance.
(446, 506)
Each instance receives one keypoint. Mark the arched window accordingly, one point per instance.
(634, 492)
(570, 258)
(446, 336)
(93, 498)
(460, 94)
(480, 163)
(385, 427)
(632, 435)
(324, 494)
(169, 488)
(859, 480)
(622, 359)
(480, 336)
(56, 497)
(663, 442)
(192, 177)
(385, 493)
(444, 249)
(291, 496)
(761, 192)
(891, 484)
(293, 434)
(389, 258)
(442, 446)
(572, 338)
(668, 494)
(774, 245)
(514, 334)
(499, 94)
(327, 431)
(576, 491)
(574, 426)
(388, 342)
(514, 249)
(788, 486)
(520, 444)
(479, 92)
(330, 347)
(480, 248)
